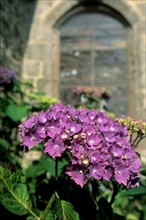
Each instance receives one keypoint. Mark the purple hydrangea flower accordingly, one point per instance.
(31, 122)
(88, 91)
(41, 130)
(76, 173)
(97, 170)
(73, 127)
(93, 141)
(31, 139)
(6, 75)
(121, 174)
(108, 173)
(99, 147)
(95, 157)
(54, 147)
(42, 117)
(78, 148)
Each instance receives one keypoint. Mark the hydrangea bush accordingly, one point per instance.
(18, 101)
(88, 169)
(88, 91)
(6, 75)
(100, 148)
(92, 97)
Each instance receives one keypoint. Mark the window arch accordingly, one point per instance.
(94, 53)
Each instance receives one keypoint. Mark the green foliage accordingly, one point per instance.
(45, 164)
(13, 192)
(4, 144)
(41, 191)
(50, 216)
(141, 190)
(64, 211)
(16, 112)
(131, 203)
(18, 100)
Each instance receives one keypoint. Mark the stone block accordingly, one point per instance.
(125, 8)
(55, 89)
(39, 32)
(141, 4)
(142, 26)
(38, 51)
(50, 87)
(49, 72)
(32, 69)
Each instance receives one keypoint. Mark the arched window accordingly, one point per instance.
(94, 53)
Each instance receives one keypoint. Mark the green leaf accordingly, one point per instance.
(131, 216)
(16, 200)
(30, 218)
(117, 216)
(40, 93)
(143, 171)
(45, 164)
(16, 112)
(141, 190)
(65, 211)
(27, 83)
(4, 144)
(13, 192)
(50, 216)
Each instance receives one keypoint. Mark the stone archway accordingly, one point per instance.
(41, 60)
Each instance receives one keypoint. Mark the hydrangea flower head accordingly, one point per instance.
(99, 146)
(6, 75)
(92, 92)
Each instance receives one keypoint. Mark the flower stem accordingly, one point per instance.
(56, 168)
(137, 138)
(54, 195)
(48, 207)
(115, 191)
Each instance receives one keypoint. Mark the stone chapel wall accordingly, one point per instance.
(30, 44)
(15, 21)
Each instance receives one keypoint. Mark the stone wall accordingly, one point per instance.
(31, 41)
(16, 18)
(42, 52)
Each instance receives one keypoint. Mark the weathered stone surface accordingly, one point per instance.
(43, 32)
(16, 17)
(141, 4)
(125, 8)
(38, 51)
(32, 69)
(51, 87)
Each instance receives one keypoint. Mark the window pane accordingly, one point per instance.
(94, 53)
